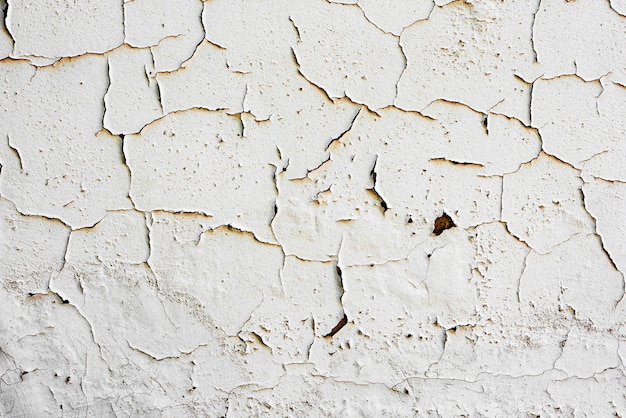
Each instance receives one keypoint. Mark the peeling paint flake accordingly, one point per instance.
(361, 62)
(6, 39)
(64, 29)
(542, 204)
(605, 201)
(394, 17)
(595, 29)
(496, 142)
(586, 121)
(196, 161)
(148, 22)
(223, 278)
(65, 104)
(467, 52)
(132, 99)
(220, 88)
(589, 292)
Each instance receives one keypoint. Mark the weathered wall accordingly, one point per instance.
(236, 207)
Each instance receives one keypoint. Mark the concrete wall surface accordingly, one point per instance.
(312, 208)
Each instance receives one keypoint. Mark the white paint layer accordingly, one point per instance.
(312, 208)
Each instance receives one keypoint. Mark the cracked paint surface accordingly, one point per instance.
(312, 208)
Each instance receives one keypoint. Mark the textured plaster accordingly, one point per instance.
(312, 208)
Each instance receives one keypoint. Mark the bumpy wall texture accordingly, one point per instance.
(310, 208)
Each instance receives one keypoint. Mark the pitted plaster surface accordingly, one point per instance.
(312, 208)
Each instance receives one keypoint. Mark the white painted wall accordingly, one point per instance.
(231, 207)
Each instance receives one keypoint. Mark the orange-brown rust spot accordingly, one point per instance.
(442, 223)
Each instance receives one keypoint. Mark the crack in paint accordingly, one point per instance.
(16, 152)
(373, 191)
(595, 228)
(465, 163)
